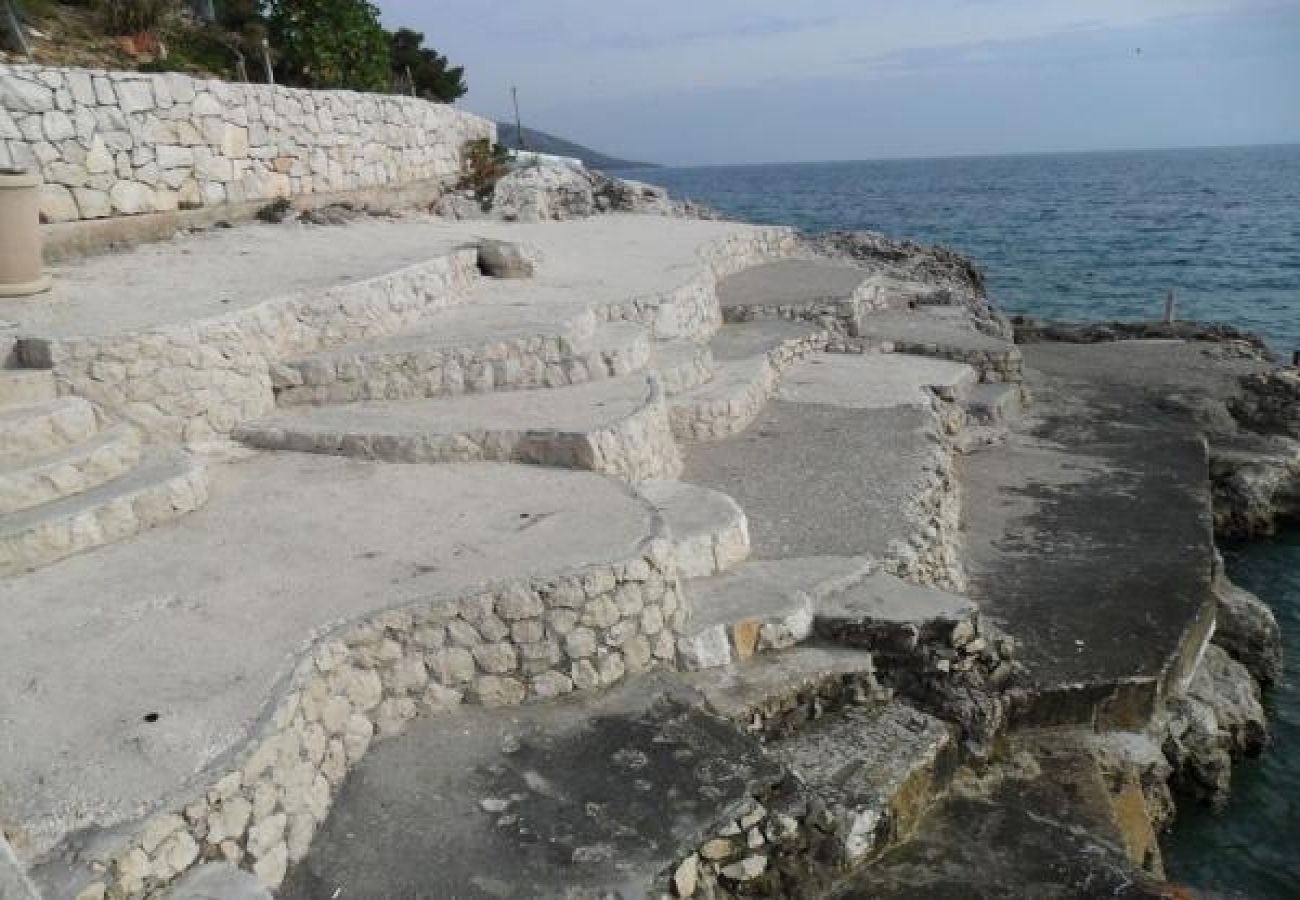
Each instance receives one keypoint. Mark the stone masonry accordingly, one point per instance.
(123, 143)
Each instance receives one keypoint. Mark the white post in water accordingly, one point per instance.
(1171, 304)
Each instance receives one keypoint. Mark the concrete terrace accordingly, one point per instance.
(271, 493)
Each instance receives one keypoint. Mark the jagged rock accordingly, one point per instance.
(539, 193)
(1270, 403)
(460, 206)
(1248, 630)
(218, 881)
(951, 279)
(1218, 717)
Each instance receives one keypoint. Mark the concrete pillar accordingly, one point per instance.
(21, 265)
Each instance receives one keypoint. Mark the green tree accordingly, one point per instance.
(329, 44)
(433, 78)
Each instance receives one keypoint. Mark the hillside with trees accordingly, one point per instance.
(301, 43)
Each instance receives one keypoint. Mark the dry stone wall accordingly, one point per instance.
(123, 143)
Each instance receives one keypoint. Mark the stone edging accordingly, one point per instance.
(503, 644)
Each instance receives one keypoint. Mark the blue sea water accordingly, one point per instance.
(1102, 236)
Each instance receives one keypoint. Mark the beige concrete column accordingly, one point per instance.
(21, 266)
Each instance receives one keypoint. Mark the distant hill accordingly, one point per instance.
(542, 142)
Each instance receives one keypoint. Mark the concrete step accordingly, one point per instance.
(995, 404)
(107, 455)
(618, 426)
(45, 427)
(473, 349)
(779, 692)
(166, 485)
(682, 365)
(794, 289)
(20, 387)
(760, 606)
(923, 334)
(876, 770)
(751, 359)
(709, 530)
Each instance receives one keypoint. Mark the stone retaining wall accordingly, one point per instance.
(195, 381)
(502, 645)
(124, 143)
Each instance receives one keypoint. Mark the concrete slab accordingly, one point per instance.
(816, 479)
(709, 531)
(882, 598)
(124, 696)
(792, 282)
(745, 340)
(874, 381)
(226, 269)
(1089, 541)
(590, 797)
(920, 327)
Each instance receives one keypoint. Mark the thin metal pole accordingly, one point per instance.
(519, 125)
(266, 61)
(1295, 358)
(1171, 306)
(16, 28)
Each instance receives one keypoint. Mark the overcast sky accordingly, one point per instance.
(731, 81)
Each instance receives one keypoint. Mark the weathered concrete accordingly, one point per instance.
(709, 531)
(884, 486)
(581, 798)
(932, 332)
(198, 623)
(1089, 540)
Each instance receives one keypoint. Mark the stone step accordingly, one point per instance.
(166, 485)
(46, 427)
(760, 606)
(876, 770)
(995, 404)
(107, 455)
(618, 426)
(20, 387)
(473, 349)
(682, 365)
(708, 529)
(778, 692)
(920, 333)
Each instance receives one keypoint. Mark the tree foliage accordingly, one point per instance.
(330, 44)
(430, 76)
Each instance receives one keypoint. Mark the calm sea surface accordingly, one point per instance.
(1100, 236)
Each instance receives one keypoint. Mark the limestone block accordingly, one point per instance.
(92, 204)
(135, 95)
(234, 142)
(20, 95)
(58, 204)
(206, 105)
(130, 198)
(98, 159)
(57, 126)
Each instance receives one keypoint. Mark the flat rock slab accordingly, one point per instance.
(793, 282)
(746, 340)
(816, 479)
(198, 621)
(1089, 541)
(882, 598)
(588, 797)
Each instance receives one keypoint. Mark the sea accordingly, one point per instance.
(1094, 236)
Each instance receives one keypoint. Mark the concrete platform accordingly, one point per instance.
(590, 797)
(929, 331)
(709, 531)
(840, 464)
(793, 282)
(126, 695)
(1089, 540)
(615, 426)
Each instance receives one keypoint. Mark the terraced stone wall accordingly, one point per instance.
(196, 381)
(503, 645)
(123, 143)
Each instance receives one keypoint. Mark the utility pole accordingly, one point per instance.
(1171, 307)
(519, 126)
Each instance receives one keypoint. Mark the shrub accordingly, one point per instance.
(329, 44)
(135, 16)
(485, 163)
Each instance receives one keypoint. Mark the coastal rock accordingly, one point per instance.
(541, 193)
(1218, 718)
(1248, 630)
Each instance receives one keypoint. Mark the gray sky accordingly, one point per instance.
(732, 81)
